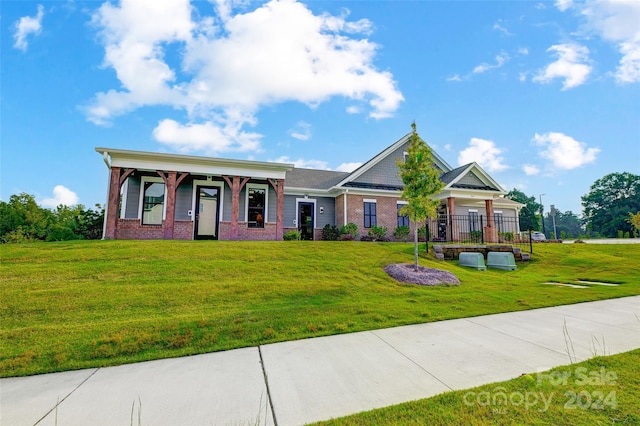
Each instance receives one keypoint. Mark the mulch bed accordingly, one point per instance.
(406, 273)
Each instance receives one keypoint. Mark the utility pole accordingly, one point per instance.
(544, 230)
(553, 216)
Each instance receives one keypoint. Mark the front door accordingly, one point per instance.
(207, 208)
(305, 220)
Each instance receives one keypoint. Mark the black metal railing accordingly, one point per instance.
(477, 229)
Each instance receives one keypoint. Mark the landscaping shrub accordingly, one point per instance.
(292, 236)
(401, 233)
(422, 233)
(377, 233)
(349, 231)
(330, 232)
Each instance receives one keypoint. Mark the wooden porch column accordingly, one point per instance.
(113, 204)
(171, 181)
(451, 210)
(491, 234)
(116, 180)
(236, 186)
(278, 186)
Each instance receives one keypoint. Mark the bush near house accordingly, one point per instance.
(401, 233)
(330, 233)
(292, 236)
(349, 231)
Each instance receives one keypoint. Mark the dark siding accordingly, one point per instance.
(329, 215)
(289, 210)
(184, 201)
(386, 171)
(133, 198)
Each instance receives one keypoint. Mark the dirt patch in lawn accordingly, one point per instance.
(406, 273)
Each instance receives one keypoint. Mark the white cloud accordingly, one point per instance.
(523, 76)
(618, 21)
(25, 26)
(563, 5)
(530, 169)
(571, 65)
(61, 195)
(302, 131)
(563, 151)
(304, 164)
(455, 77)
(523, 51)
(501, 28)
(501, 59)
(483, 152)
(348, 167)
(234, 64)
(206, 137)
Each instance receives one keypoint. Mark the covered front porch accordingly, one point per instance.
(166, 196)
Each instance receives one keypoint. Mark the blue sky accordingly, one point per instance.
(544, 96)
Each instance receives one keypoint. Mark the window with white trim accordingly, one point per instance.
(257, 196)
(370, 217)
(403, 220)
(152, 202)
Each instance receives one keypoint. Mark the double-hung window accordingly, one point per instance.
(474, 223)
(403, 220)
(369, 213)
(256, 205)
(498, 218)
(152, 203)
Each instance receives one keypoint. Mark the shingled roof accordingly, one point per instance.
(313, 178)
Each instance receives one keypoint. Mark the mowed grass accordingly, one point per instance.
(87, 304)
(600, 391)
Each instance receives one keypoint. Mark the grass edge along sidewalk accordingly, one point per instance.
(603, 390)
(74, 305)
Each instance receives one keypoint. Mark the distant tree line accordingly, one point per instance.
(611, 209)
(23, 220)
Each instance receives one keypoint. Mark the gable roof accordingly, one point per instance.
(439, 161)
(470, 176)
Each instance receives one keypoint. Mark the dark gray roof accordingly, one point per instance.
(450, 176)
(312, 178)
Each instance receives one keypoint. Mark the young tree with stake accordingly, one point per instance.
(421, 181)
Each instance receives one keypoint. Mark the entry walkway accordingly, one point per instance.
(302, 381)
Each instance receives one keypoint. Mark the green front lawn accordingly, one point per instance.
(600, 391)
(86, 304)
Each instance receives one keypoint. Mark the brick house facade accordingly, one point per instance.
(168, 196)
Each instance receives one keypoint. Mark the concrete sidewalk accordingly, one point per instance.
(316, 379)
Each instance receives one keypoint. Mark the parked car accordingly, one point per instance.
(538, 236)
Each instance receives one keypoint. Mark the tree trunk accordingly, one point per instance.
(415, 246)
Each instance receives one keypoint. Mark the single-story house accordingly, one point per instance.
(169, 196)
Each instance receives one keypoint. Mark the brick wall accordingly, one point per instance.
(183, 230)
(246, 233)
(340, 210)
(386, 212)
(132, 229)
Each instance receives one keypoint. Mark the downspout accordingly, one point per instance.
(105, 158)
(346, 191)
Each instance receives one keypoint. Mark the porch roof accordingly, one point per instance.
(193, 164)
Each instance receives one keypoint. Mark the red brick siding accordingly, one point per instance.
(246, 233)
(132, 229)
